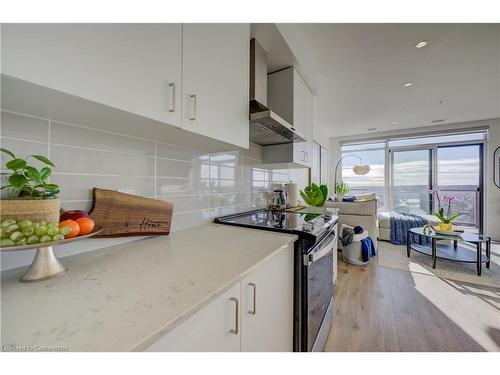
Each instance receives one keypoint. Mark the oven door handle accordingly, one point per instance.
(317, 255)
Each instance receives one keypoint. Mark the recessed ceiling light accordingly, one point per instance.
(421, 44)
(394, 122)
(407, 84)
(371, 129)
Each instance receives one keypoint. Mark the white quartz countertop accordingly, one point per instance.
(124, 297)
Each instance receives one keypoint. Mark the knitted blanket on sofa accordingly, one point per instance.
(401, 223)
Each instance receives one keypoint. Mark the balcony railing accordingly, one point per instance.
(468, 202)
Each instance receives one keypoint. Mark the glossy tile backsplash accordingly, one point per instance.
(200, 185)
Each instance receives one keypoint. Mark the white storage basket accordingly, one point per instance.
(352, 253)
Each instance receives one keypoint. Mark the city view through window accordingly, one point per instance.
(457, 174)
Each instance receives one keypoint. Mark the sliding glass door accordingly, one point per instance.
(453, 170)
(411, 181)
(459, 175)
(404, 169)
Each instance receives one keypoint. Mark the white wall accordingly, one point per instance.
(492, 192)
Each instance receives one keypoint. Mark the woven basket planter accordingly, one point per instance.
(31, 209)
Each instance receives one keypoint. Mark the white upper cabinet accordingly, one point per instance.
(290, 97)
(194, 76)
(215, 79)
(134, 67)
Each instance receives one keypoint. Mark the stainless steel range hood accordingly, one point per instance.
(266, 127)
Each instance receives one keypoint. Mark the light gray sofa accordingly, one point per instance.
(363, 214)
(384, 224)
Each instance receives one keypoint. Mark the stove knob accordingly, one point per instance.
(307, 227)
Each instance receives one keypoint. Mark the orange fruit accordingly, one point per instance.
(75, 228)
(86, 225)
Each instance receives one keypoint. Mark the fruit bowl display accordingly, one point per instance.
(42, 236)
(62, 241)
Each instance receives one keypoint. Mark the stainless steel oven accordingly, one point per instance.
(317, 292)
(313, 268)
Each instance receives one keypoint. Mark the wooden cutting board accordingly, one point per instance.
(122, 215)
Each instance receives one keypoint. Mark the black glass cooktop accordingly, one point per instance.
(290, 222)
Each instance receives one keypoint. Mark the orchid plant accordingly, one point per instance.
(440, 213)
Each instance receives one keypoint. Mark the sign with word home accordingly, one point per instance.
(122, 215)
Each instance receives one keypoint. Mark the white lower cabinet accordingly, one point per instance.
(210, 329)
(254, 315)
(267, 306)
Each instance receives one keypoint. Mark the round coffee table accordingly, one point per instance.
(453, 252)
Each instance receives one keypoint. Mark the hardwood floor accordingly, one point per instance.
(384, 309)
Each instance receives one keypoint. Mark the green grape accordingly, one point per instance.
(65, 230)
(51, 230)
(16, 236)
(41, 230)
(28, 231)
(33, 239)
(45, 238)
(7, 242)
(3, 233)
(58, 237)
(22, 241)
(12, 228)
(7, 222)
(25, 223)
(42, 223)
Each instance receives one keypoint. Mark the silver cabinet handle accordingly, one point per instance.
(254, 310)
(193, 107)
(307, 156)
(171, 107)
(236, 328)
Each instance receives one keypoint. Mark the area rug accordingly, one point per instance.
(394, 256)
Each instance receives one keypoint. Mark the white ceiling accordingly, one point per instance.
(362, 68)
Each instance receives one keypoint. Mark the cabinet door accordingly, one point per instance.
(300, 105)
(267, 305)
(209, 330)
(302, 153)
(308, 113)
(215, 80)
(316, 164)
(324, 166)
(134, 67)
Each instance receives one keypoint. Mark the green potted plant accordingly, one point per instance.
(314, 195)
(341, 188)
(446, 221)
(29, 194)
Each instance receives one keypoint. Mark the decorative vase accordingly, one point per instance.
(30, 209)
(446, 226)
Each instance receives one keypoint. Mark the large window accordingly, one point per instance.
(372, 154)
(403, 170)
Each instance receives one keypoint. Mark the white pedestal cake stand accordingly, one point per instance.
(45, 264)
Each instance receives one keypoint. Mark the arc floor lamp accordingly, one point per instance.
(360, 169)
